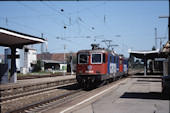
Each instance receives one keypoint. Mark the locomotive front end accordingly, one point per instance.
(90, 67)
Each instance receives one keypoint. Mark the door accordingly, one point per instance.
(121, 65)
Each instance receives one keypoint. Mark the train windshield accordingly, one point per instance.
(96, 58)
(83, 59)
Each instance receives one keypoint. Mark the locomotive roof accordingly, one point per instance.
(100, 51)
(93, 50)
(97, 51)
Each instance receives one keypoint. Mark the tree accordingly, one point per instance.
(37, 66)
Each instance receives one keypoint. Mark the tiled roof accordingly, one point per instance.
(54, 56)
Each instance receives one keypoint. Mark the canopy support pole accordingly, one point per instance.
(145, 65)
(13, 72)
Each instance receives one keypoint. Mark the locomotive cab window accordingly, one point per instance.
(96, 58)
(83, 59)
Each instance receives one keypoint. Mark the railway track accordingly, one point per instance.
(15, 101)
(40, 99)
(28, 87)
(22, 94)
(48, 103)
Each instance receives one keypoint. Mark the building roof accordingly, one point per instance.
(53, 62)
(54, 56)
(10, 38)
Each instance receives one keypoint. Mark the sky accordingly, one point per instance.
(78, 24)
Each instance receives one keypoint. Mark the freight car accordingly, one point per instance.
(99, 65)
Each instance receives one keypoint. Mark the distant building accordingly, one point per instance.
(27, 58)
(50, 65)
(55, 61)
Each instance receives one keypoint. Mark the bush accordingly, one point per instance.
(37, 66)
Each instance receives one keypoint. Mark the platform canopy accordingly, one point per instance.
(148, 54)
(10, 38)
(14, 40)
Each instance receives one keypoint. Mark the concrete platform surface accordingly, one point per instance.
(138, 94)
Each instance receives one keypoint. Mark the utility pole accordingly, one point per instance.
(71, 62)
(46, 45)
(64, 61)
(155, 38)
(123, 49)
(42, 54)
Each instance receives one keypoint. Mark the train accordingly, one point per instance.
(97, 66)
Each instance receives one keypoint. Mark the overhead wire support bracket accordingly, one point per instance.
(107, 44)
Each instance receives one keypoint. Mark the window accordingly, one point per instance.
(104, 58)
(96, 58)
(83, 59)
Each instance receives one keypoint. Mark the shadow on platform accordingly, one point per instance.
(154, 73)
(150, 95)
(149, 80)
(148, 76)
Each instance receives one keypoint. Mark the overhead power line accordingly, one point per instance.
(51, 19)
(28, 27)
(80, 19)
(54, 9)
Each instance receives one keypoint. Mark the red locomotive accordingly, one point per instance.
(99, 65)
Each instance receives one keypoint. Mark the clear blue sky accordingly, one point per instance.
(128, 23)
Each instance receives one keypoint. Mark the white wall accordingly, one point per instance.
(25, 59)
(32, 57)
(61, 66)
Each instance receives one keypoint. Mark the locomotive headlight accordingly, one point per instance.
(89, 67)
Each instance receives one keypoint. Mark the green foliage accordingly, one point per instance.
(37, 66)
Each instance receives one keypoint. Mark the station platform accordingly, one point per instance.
(30, 84)
(136, 94)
